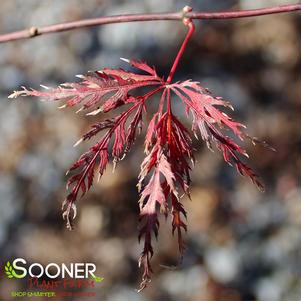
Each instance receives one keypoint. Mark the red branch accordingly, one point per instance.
(191, 29)
(36, 31)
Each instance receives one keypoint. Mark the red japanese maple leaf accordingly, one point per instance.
(168, 143)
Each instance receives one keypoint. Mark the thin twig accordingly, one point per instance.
(190, 32)
(37, 31)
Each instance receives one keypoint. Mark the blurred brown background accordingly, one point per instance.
(242, 244)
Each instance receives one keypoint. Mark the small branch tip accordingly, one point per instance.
(33, 31)
(187, 9)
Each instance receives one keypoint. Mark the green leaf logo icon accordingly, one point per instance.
(11, 273)
(9, 270)
(98, 279)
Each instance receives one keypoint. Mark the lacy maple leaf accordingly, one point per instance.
(168, 143)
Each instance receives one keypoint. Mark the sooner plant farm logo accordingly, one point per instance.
(62, 279)
(18, 269)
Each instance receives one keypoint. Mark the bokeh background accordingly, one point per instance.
(242, 244)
